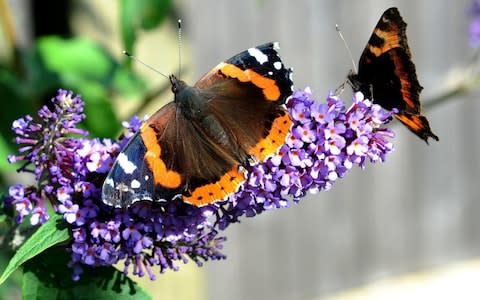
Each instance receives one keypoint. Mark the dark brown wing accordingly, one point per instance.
(255, 120)
(387, 74)
(170, 156)
(189, 149)
(233, 113)
(246, 95)
(240, 125)
(245, 117)
(143, 170)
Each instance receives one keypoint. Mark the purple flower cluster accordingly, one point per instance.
(69, 172)
(45, 150)
(326, 140)
(474, 27)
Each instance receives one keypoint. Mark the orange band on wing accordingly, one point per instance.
(418, 124)
(390, 38)
(406, 85)
(216, 191)
(413, 122)
(270, 144)
(268, 86)
(161, 175)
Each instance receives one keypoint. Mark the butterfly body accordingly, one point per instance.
(196, 146)
(387, 74)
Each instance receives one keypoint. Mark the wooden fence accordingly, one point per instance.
(419, 209)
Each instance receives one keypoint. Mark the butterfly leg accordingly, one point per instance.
(339, 90)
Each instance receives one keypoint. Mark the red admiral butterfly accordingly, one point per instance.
(387, 74)
(195, 146)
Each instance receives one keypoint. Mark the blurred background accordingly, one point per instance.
(405, 229)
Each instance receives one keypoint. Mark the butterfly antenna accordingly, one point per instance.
(339, 90)
(339, 31)
(179, 48)
(146, 65)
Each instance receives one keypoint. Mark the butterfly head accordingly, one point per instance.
(358, 84)
(177, 84)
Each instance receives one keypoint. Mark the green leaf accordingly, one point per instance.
(76, 58)
(101, 119)
(49, 234)
(6, 217)
(12, 90)
(5, 150)
(128, 28)
(141, 14)
(154, 12)
(48, 277)
(89, 70)
(11, 286)
(40, 82)
(127, 83)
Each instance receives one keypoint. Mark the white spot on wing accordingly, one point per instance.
(259, 55)
(277, 65)
(127, 166)
(276, 46)
(146, 177)
(143, 198)
(109, 182)
(135, 184)
(270, 73)
(122, 187)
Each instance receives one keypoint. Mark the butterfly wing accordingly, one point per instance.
(387, 74)
(131, 178)
(194, 146)
(168, 157)
(252, 87)
(247, 119)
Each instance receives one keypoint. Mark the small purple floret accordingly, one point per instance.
(474, 27)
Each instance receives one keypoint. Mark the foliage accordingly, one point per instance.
(27, 82)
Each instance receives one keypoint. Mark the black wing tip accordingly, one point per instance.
(274, 45)
(392, 11)
(393, 14)
(429, 134)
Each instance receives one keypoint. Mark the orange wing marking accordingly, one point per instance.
(162, 176)
(268, 86)
(391, 40)
(216, 191)
(406, 85)
(413, 122)
(269, 145)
